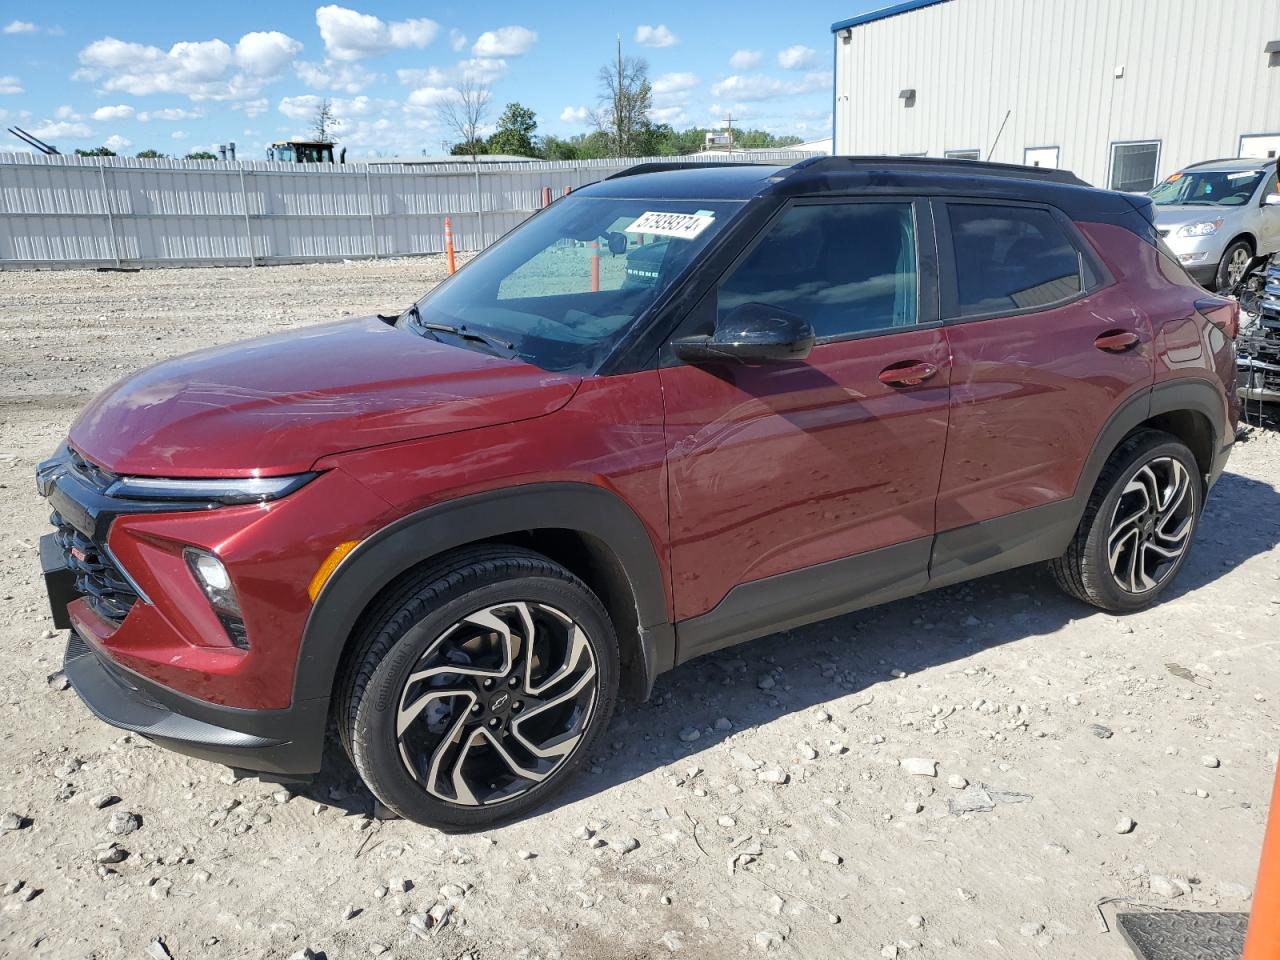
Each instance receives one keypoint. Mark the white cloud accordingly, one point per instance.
(424, 77)
(20, 26)
(202, 70)
(796, 58)
(265, 54)
(305, 107)
(253, 108)
(179, 135)
(341, 77)
(350, 35)
(60, 129)
(757, 86)
(457, 40)
(67, 113)
(481, 69)
(671, 115)
(121, 111)
(575, 115)
(431, 96)
(10, 85)
(116, 142)
(674, 83)
(171, 113)
(658, 36)
(745, 59)
(504, 42)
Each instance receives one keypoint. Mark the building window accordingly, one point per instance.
(1134, 165)
(964, 154)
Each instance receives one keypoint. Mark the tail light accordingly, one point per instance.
(1222, 313)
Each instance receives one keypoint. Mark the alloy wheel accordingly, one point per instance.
(1151, 526)
(497, 703)
(1236, 265)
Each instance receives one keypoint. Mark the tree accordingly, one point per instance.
(464, 114)
(95, 152)
(325, 123)
(200, 155)
(624, 103)
(469, 148)
(151, 155)
(515, 132)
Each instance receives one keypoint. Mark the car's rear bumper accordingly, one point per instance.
(285, 743)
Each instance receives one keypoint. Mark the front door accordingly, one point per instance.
(777, 470)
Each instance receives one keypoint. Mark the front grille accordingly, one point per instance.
(104, 587)
(97, 477)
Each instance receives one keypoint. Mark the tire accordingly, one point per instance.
(446, 698)
(1238, 254)
(1122, 564)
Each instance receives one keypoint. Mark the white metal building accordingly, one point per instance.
(1122, 92)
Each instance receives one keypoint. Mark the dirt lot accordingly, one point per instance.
(1073, 720)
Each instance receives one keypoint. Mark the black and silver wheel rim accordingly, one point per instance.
(497, 703)
(1151, 526)
(1236, 264)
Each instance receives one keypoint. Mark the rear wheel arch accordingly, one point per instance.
(587, 529)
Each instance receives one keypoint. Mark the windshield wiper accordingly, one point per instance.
(431, 328)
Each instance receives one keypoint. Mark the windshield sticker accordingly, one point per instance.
(686, 226)
(1243, 175)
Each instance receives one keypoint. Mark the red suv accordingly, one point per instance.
(673, 411)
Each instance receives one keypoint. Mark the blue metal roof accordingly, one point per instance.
(906, 6)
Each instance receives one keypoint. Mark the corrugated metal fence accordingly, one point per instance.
(88, 212)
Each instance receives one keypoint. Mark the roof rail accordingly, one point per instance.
(662, 166)
(928, 164)
(1206, 163)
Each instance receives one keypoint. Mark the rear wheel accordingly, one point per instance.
(479, 687)
(1138, 525)
(1235, 260)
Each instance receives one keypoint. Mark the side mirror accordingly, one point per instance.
(751, 333)
(1272, 200)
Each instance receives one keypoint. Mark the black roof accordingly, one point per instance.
(816, 176)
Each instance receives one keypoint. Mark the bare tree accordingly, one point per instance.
(463, 115)
(624, 103)
(325, 122)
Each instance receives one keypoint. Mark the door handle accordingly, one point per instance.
(1116, 341)
(907, 374)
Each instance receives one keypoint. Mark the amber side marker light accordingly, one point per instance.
(330, 564)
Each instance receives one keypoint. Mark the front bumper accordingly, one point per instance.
(288, 743)
(1199, 256)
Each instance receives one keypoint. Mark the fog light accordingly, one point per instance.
(214, 580)
(1194, 257)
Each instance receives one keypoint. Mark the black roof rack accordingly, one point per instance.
(979, 168)
(662, 166)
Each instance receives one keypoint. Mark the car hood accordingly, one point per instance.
(1176, 214)
(277, 404)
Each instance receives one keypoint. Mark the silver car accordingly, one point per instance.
(1217, 215)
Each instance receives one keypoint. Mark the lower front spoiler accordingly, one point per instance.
(286, 743)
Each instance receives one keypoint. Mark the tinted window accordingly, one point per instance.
(1011, 258)
(1133, 165)
(844, 267)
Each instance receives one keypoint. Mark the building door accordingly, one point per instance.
(784, 466)
(1262, 145)
(1041, 157)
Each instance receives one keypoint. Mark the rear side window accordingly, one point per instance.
(1011, 258)
(847, 268)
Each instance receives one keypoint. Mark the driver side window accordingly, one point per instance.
(847, 268)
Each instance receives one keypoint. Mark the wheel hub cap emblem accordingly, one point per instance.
(498, 702)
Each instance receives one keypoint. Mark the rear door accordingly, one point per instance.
(777, 469)
(1044, 349)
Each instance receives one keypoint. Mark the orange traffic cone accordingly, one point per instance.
(1263, 939)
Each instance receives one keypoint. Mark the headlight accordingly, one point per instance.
(214, 580)
(1202, 228)
(236, 490)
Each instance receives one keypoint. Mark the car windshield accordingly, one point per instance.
(1210, 188)
(564, 287)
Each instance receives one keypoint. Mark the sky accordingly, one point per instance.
(179, 76)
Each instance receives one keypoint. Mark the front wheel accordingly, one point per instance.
(478, 687)
(1235, 260)
(1137, 527)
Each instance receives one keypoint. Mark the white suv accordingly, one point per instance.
(1217, 215)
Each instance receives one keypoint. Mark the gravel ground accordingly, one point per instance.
(778, 798)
